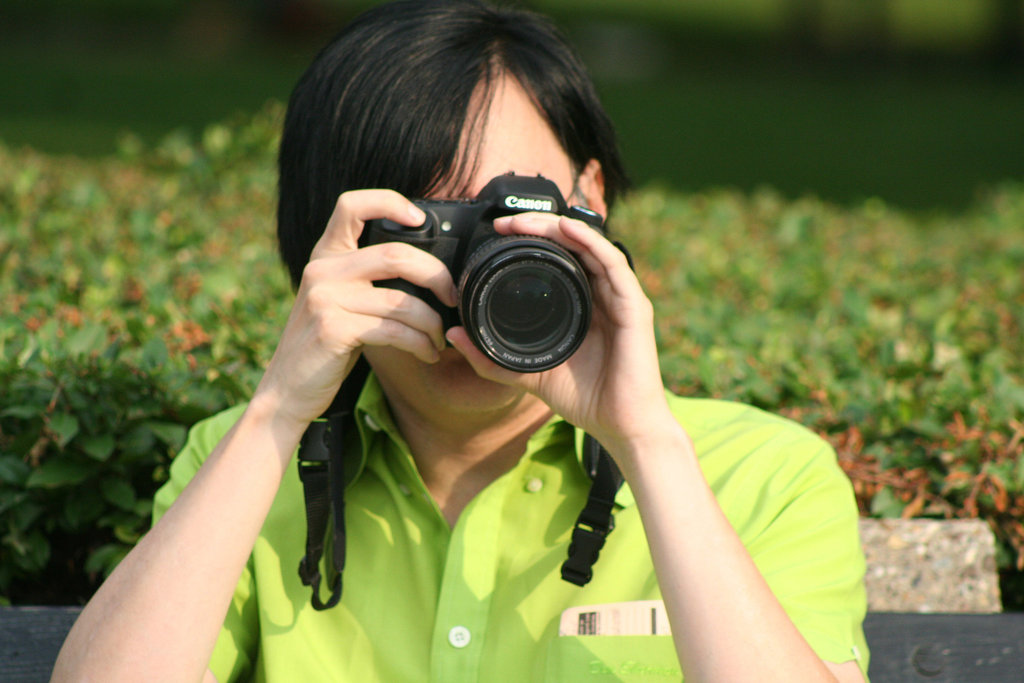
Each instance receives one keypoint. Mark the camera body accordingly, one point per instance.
(525, 301)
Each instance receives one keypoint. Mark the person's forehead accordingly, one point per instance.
(516, 138)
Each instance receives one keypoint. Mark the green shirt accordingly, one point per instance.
(482, 601)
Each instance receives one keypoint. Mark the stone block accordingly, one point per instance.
(926, 565)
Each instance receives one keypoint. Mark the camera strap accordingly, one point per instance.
(323, 481)
(322, 472)
(596, 520)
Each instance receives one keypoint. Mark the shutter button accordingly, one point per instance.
(459, 636)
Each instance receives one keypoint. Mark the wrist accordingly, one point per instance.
(266, 414)
(646, 453)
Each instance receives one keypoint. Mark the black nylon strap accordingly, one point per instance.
(595, 521)
(322, 472)
(314, 471)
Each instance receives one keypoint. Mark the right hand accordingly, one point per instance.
(338, 310)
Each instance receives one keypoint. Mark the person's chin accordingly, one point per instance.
(453, 370)
(451, 379)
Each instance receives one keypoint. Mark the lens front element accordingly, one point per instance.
(525, 302)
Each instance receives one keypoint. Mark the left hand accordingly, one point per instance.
(611, 387)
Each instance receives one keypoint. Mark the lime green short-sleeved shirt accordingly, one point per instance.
(483, 601)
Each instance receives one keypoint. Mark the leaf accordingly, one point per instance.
(1018, 474)
(886, 504)
(89, 339)
(105, 558)
(60, 472)
(31, 551)
(64, 426)
(10, 500)
(169, 433)
(13, 470)
(118, 492)
(127, 534)
(138, 442)
(154, 353)
(930, 428)
(82, 507)
(98, 447)
(23, 412)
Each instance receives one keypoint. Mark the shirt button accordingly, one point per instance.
(370, 422)
(459, 636)
(534, 485)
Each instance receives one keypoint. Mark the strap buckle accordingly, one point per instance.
(584, 549)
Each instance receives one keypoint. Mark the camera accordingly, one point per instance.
(525, 301)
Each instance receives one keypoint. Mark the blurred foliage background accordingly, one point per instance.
(917, 102)
(830, 218)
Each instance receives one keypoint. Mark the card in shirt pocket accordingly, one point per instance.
(634, 618)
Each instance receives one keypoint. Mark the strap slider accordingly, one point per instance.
(584, 549)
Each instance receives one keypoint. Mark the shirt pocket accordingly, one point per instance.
(631, 659)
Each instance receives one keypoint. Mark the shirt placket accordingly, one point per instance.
(467, 586)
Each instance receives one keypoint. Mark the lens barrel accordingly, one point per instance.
(525, 302)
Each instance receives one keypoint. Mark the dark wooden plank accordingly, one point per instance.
(979, 648)
(30, 638)
(938, 648)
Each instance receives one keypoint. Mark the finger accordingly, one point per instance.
(344, 333)
(480, 363)
(386, 261)
(527, 223)
(402, 307)
(599, 256)
(397, 260)
(390, 332)
(354, 208)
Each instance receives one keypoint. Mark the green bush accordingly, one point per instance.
(125, 288)
(142, 292)
(899, 338)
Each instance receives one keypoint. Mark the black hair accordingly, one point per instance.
(385, 103)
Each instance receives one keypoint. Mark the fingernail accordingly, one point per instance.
(416, 213)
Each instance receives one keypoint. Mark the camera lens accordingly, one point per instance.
(530, 307)
(525, 302)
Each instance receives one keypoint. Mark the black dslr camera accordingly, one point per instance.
(525, 301)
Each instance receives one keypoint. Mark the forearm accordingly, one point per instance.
(159, 613)
(726, 622)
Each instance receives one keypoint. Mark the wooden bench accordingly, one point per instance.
(904, 647)
(915, 568)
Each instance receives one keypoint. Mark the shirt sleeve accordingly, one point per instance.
(807, 546)
(234, 653)
(793, 507)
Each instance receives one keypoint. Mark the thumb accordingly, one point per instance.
(481, 364)
(354, 208)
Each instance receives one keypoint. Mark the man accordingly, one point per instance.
(735, 530)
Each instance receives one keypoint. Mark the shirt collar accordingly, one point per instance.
(373, 418)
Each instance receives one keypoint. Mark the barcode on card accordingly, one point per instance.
(589, 624)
